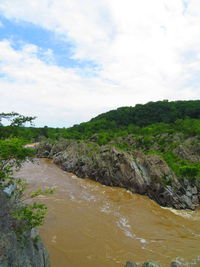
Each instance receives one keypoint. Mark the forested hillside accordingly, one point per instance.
(150, 118)
(153, 112)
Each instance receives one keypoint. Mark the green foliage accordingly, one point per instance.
(49, 191)
(189, 126)
(31, 214)
(16, 119)
(181, 167)
(189, 171)
(12, 155)
(13, 149)
(153, 112)
(36, 239)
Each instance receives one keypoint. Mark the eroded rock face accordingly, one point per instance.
(135, 171)
(18, 249)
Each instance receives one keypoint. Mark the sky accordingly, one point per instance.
(66, 61)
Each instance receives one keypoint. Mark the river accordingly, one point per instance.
(91, 225)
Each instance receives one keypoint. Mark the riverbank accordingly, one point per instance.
(145, 174)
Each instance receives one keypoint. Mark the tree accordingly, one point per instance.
(16, 119)
(12, 155)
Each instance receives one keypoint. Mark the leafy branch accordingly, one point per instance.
(16, 119)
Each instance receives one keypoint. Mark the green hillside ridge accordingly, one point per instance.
(127, 120)
(153, 112)
(161, 115)
(168, 129)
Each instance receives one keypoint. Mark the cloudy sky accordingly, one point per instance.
(65, 61)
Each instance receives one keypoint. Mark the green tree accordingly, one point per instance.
(16, 119)
(12, 155)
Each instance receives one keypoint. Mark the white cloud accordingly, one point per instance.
(139, 45)
(31, 85)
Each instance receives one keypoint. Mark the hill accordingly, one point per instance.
(153, 112)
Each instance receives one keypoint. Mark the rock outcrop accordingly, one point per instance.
(146, 174)
(17, 248)
(130, 264)
(150, 264)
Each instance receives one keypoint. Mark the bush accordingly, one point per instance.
(189, 171)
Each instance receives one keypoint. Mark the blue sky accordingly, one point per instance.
(22, 32)
(67, 61)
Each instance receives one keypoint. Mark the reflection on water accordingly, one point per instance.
(91, 225)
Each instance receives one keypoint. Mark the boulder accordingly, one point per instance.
(151, 264)
(175, 264)
(130, 264)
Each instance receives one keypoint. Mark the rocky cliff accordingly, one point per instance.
(146, 174)
(18, 248)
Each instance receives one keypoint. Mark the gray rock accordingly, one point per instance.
(186, 182)
(187, 200)
(130, 264)
(18, 248)
(151, 264)
(189, 194)
(175, 264)
(10, 189)
(194, 190)
(195, 199)
(187, 152)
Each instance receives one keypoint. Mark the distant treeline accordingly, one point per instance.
(150, 118)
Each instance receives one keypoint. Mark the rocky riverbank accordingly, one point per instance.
(146, 174)
(18, 248)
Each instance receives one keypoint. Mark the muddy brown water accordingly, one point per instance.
(91, 225)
